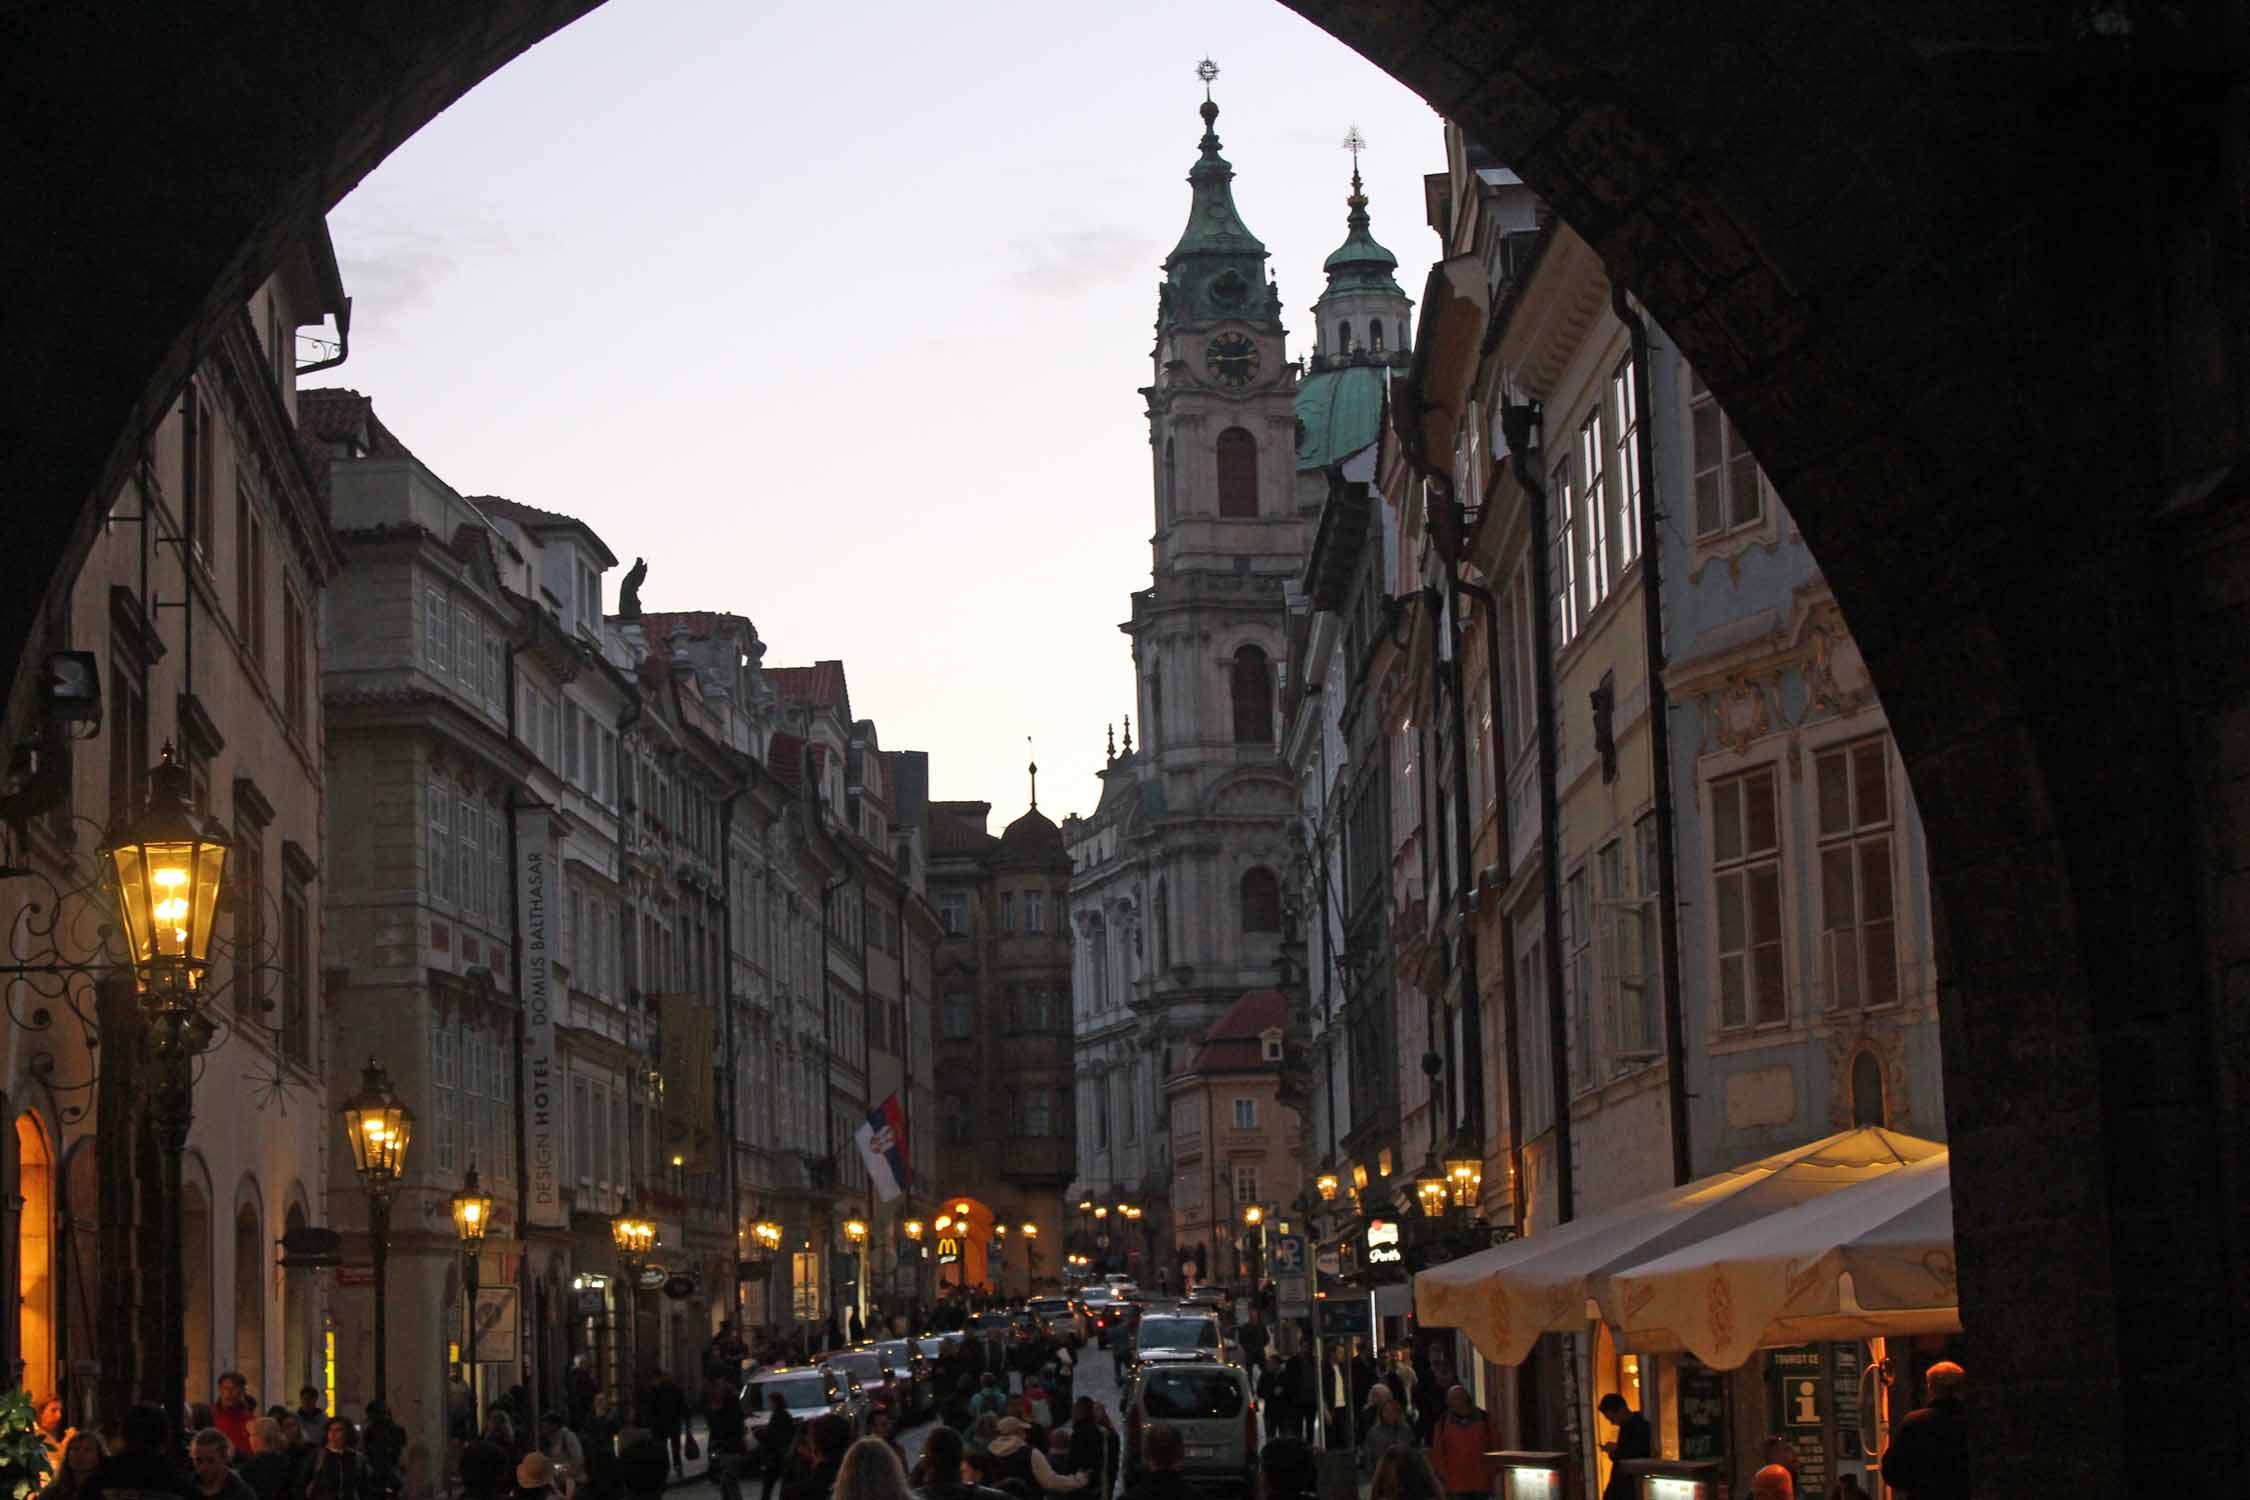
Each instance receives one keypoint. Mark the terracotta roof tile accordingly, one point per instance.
(1236, 1041)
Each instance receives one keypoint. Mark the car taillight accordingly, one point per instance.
(1250, 1427)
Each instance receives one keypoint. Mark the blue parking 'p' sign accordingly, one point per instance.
(1288, 1254)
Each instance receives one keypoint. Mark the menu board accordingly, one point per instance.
(1703, 1411)
(1844, 1373)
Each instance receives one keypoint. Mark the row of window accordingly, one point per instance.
(1024, 1007)
(472, 1086)
(1033, 1112)
(1611, 965)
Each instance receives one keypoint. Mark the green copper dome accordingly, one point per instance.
(1359, 262)
(1339, 412)
(1217, 270)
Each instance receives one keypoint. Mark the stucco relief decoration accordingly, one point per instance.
(1836, 675)
(1739, 714)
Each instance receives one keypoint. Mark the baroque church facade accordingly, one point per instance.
(1178, 875)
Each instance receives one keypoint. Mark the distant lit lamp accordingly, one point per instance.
(1464, 1171)
(379, 1126)
(1327, 1185)
(472, 1216)
(913, 1228)
(1431, 1189)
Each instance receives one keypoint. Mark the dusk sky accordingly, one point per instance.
(838, 315)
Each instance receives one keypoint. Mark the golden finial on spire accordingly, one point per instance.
(1355, 143)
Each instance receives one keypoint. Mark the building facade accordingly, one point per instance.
(1003, 1053)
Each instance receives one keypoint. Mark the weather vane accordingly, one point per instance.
(1207, 70)
(1355, 143)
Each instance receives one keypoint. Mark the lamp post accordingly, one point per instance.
(634, 1238)
(1030, 1258)
(765, 1234)
(855, 1231)
(472, 1215)
(913, 1228)
(1254, 1217)
(166, 869)
(1000, 1275)
(379, 1127)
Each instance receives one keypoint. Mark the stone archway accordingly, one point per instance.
(2009, 426)
(249, 1330)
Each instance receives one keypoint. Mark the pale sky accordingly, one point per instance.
(838, 316)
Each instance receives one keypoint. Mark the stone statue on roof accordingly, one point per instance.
(629, 595)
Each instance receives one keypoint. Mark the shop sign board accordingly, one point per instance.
(1295, 1295)
(1383, 1248)
(1703, 1411)
(1343, 1318)
(496, 1324)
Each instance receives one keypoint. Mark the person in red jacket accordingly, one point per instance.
(1458, 1445)
(233, 1411)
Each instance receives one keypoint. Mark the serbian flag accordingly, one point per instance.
(882, 1145)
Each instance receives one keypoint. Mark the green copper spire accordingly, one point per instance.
(1217, 270)
(1359, 263)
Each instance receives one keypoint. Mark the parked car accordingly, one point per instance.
(1210, 1405)
(1176, 1336)
(917, 1375)
(808, 1391)
(1207, 1294)
(873, 1370)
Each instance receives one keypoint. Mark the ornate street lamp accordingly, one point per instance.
(634, 1238)
(1464, 1172)
(1431, 1189)
(166, 869)
(1327, 1185)
(855, 1230)
(472, 1216)
(913, 1228)
(379, 1126)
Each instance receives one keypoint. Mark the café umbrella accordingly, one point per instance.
(1872, 1260)
(1504, 1298)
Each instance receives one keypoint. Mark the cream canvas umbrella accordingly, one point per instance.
(1506, 1297)
(1873, 1259)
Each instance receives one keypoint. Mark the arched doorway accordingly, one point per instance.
(35, 1257)
(195, 1260)
(297, 1362)
(249, 1298)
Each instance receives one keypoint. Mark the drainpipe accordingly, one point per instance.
(1521, 425)
(1659, 744)
(1511, 1043)
(726, 994)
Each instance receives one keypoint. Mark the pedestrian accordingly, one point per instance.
(81, 1456)
(1012, 1455)
(775, 1438)
(535, 1478)
(1929, 1452)
(54, 1429)
(460, 1406)
(729, 1442)
(211, 1461)
(642, 1468)
(267, 1467)
(883, 1423)
(565, 1455)
(1405, 1474)
(485, 1471)
(1160, 1478)
(667, 1418)
(383, 1442)
(872, 1470)
(1335, 1395)
(939, 1475)
(1781, 1453)
(1286, 1470)
(140, 1463)
(1773, 1482)
(500, 1432)
(339, 1470)
(1458, 1445)
(312, 1413)
(992, 1398)
(831, 1437)
(1094, 1445)
(1389, 1430)
(1633, 1441)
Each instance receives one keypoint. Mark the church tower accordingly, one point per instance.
(1177, 900)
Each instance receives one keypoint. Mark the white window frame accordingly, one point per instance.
(1245, 1113)
(1724, 468)
(1625, 403)
(1564, 548)
(1592, 479)
(439, 824)
(437, 639)
(1861, 837)
(1759, 1011)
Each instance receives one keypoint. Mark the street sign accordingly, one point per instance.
(1295, 1294)
(1338, 1317)
(652, 1278)
(1288, 1255)
(1329, 1262)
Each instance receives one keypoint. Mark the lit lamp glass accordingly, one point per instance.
(855, 1230)
(633, 1237)
(1030, 1230)
(1085, 1205)
(913, 1228)
(166, 868)
(1464, 1175)
(1001, 1230)
(1253, 1214)
(1327, 1185)
(961, 1210)
(472, 1210)
(1430, 1192)
(378, 1126)
(767, 1233)
(944, 1222)
(1102, 1212)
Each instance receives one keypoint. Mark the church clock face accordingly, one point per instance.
(1231, 359)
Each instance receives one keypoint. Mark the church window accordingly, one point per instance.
(1402, 333)
(1171, 481)
(1238, 473)
(1261, 901)
(1253, 698)
(1344, 338)
(1375, 334)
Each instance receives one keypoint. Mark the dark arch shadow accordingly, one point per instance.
(2008, 424)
